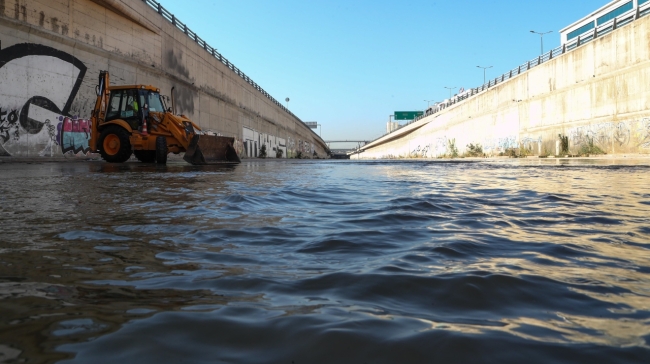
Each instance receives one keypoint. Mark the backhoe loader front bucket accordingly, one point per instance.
(211, 149)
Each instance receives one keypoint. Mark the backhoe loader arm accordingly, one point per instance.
(99, 112)
(178, 128)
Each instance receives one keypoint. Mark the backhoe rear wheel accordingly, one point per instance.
(145, 156)
(114, 144)
(161, 150)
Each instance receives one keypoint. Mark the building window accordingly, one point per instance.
(614, 13)
(585, 28)
(641, 2)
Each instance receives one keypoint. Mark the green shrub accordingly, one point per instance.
(564, 144)
(590, 148)
(474, 150)
(452, 151)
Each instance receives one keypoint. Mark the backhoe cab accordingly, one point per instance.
(134, 119)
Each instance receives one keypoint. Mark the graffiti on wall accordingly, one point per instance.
(8, 128)
(529, 142)
(421, 151)
(440, 146)
(621, 134)
(609, 136)
(73, 135)
(239, 147)
(293, 147)
(593, 134)
(500, 144)
(250, 146)
(644, 132)
(37, 87)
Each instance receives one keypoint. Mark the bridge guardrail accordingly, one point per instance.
(213, 51)
(583, 38)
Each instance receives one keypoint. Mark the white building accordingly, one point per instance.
(391, 126)
(601, 16)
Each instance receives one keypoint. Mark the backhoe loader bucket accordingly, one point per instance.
(211, 149)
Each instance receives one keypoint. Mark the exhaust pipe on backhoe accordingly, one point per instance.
(173, 101)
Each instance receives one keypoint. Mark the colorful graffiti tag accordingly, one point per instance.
(38, 85)
(73, 135)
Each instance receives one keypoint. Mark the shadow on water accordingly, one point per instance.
(156, 168)
(320, 262)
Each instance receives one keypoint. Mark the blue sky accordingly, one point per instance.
(350, 64)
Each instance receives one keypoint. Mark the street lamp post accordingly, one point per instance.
(541, 38)
(428, 102)
(484, 68)
(450, 88)
(287, 100)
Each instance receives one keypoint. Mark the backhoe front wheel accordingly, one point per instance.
(161, 150)
(114, 144)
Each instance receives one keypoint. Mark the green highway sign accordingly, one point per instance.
(407, 115)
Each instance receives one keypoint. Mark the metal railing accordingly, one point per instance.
(583, 38)
(213, 51)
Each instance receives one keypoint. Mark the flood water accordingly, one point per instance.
(325, 262)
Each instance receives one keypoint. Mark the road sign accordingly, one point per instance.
(312, 124)
(407, 115)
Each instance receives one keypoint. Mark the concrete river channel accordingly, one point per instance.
(296, 262)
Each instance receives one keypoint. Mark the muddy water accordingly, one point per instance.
(322, 262)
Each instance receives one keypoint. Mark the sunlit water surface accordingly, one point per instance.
(325, 262)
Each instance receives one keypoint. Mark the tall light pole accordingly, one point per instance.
(541, 38)
(450, 88)
(287, 100)
(484, 68)
(428, 102)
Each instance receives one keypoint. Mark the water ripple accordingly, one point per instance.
(318, 262)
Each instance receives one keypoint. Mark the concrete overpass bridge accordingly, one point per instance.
(344, 152)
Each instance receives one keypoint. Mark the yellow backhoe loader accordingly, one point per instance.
(134, 120)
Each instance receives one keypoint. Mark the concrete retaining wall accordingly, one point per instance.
(51, 54)
(597, 95)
